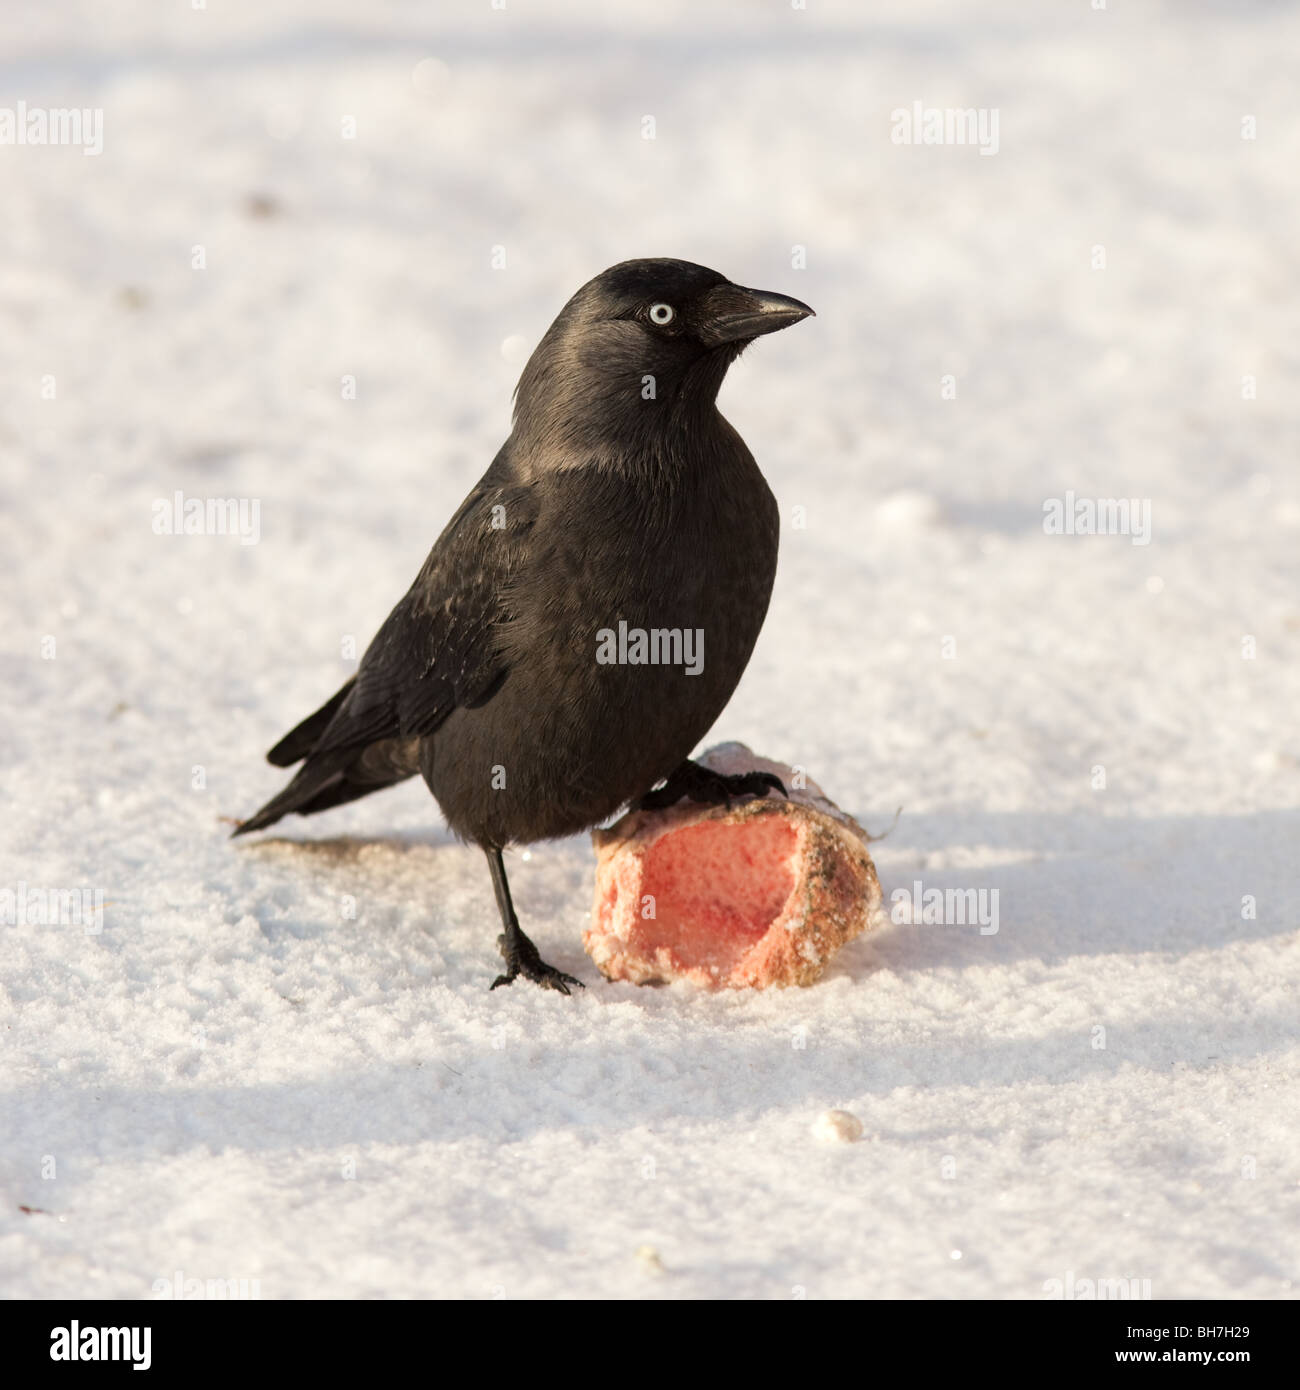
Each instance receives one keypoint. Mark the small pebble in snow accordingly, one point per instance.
(260, 206)
(837, 1127)
(648, 1258)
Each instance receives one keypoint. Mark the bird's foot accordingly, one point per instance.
(523, 959)
(703, 784)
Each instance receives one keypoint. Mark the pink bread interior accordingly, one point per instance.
(718, 890)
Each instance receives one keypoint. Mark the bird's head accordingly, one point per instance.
(645, 334)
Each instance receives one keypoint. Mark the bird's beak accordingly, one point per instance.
(732, 312)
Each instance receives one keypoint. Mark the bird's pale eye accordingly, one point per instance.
(662, 314)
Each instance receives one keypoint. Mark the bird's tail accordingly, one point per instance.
(299, 741)
(309, 791)
(333, 775)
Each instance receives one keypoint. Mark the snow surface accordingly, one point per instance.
(190, 1088)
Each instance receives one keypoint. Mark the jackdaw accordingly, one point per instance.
(586, 614)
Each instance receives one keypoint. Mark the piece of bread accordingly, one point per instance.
(763, 893)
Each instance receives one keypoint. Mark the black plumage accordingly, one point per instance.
(622, 497)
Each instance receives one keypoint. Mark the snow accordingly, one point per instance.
(279, 1061)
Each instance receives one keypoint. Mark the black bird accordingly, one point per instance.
(586, 614)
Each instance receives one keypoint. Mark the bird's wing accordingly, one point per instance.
(438, 648)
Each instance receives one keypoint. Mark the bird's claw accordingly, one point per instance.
(716, 789)
(526, 961)
(755, 784)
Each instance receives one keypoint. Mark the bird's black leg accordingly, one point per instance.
(520, 954)
(703, 784)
